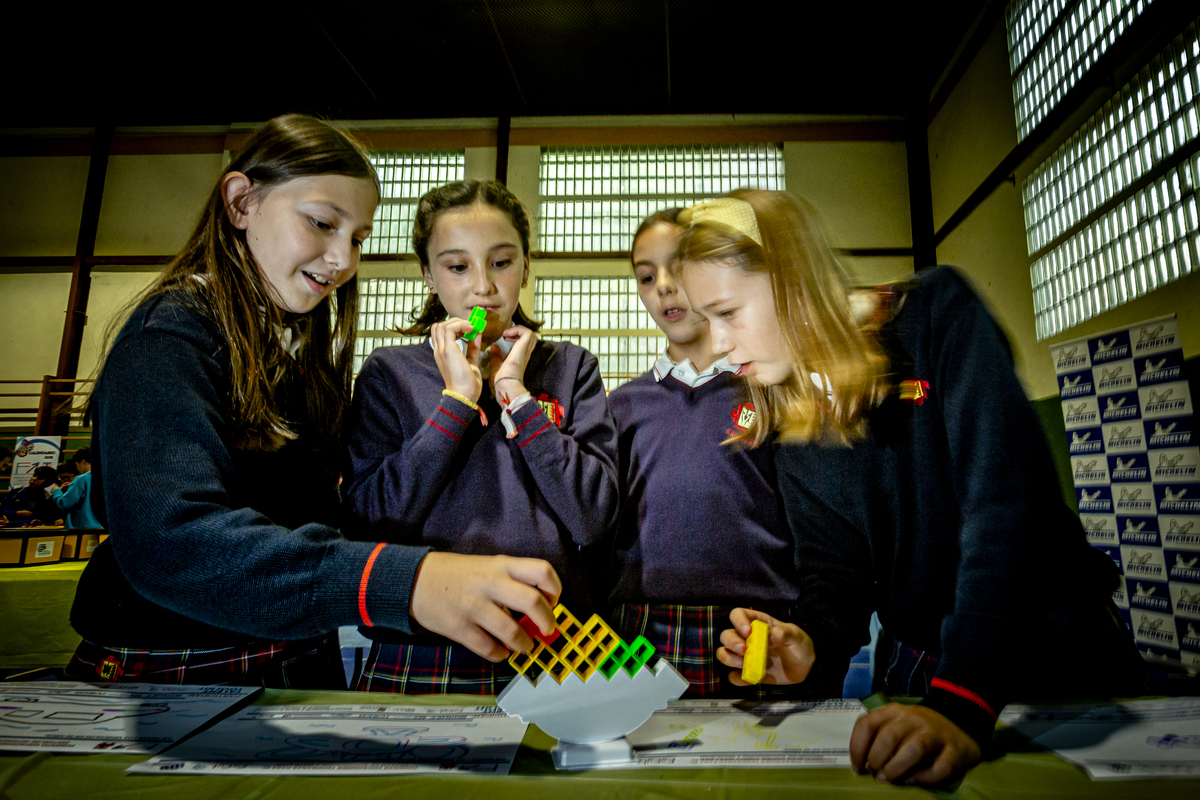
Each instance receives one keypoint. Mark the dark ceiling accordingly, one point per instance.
(477, 58)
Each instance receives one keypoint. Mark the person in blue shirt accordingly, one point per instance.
(76, 499)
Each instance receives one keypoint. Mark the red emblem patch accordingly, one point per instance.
(554, 409)
(743, 416)
(914, 391)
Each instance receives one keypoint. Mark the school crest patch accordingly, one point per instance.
(914, 391)
(744, 416)
(554, 409)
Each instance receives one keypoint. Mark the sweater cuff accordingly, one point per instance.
(968, 710)
(452, 417)
(531, 423)
(372, 585)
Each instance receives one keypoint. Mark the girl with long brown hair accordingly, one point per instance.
(502, 444)
(216, 441)
(917, 483)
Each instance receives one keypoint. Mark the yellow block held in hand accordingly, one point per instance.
(754, 662)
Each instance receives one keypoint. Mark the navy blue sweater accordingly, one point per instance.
(211, 545)
(424, 470)
(948, 519)
(701, 522)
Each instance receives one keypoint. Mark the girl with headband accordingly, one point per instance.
(688, 501)
(917, 482)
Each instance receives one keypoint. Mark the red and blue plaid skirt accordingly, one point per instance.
(688, 638)
(305, 664)
(431, 669)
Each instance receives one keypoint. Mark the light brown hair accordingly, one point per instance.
(811, 290)
(217, 275)
(457, 195)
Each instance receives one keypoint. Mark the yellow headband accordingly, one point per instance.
(727, 211)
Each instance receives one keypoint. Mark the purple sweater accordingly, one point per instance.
(423, 470)
(701, 522)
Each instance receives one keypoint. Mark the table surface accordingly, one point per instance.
(36, 606)
(1016, 770)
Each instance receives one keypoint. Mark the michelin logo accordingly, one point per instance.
(1151, 630)
(1165, 434)
(1098, 531)
(1085, 442)
(1140, 564)
(1190, 637)
(1188, 602)
(1164, 402)
(1155, 371)
(1135, 533)
(1068, 357)
(1114, 378)
(1111, 350)
(1086, 471)
(1074, 387)
(1181, 532)
(1080, 414)
(1129, 470)
(1153, 338)
(1144, 597)
(1174, 465)
(1136, 500)
(1123, 438)
(1094, 501)
(1177, 501)
(1184, 569)
(1118, 408)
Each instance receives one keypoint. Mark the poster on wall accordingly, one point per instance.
(1134, 460)
(32, 452)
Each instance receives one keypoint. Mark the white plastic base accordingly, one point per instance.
(593, 754)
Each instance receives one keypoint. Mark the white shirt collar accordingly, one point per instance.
(685, 373)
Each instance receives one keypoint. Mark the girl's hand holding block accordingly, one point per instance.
(788, 651)
(754, 663)
(466, 598)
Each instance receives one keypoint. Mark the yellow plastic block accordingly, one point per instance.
(579, 648)
(595, 641)
(754, 662)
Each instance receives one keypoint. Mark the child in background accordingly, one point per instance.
(486, 447)
(917, 482)
(223, 564)
(687, 501)
(75, 498)
(32, 504)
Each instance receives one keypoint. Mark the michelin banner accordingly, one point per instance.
(1134, 456)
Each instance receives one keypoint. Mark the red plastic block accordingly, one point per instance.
(532, 629)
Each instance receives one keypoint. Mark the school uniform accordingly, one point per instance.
(948, 520)
(223, 563)
(76, 502)
(423, 469)
(702, 529)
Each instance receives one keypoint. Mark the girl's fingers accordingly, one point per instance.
(729, 658)
(497, 622)
(539, 573)
(742, 617)
(913, 750)
(861, 738)
(478, 641)
(945, 765)
(888, 738)
(733, 641)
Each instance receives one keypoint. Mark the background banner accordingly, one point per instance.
(1134, 460)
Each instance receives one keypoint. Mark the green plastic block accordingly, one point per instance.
(640, 651)
(478, 320)
(616, 659)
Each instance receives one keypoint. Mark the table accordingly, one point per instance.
(1019, 772)
(35, 606)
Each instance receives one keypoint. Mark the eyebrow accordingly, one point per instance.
(457, 251)
(714, 303)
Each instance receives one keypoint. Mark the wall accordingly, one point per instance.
(970, 136)
(151, 201)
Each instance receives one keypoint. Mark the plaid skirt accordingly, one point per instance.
(305, 664)
(430, 669)
(688, 638)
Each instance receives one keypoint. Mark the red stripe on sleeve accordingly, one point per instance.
(966, 694)
(536, 434)
(443, 430)
(362, 586)
(451, 416)
(526, 422)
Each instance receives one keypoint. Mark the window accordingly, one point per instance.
(603, 315)
(1112, 214)
(1053, 43)
(593, 198)
(405, 175)
(384, 305)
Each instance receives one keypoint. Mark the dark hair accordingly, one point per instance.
(458, 195)
(46, 473)
(234, 295)
(82, 454)
(5, 452)
(67, 469)
(668, 215)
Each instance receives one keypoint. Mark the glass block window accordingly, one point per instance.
(593, 198)
(586, 303)
(1053, 43)
(405, 175)
(1112, 214)
(1149, 240)
(622, 358)
(384, 306)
